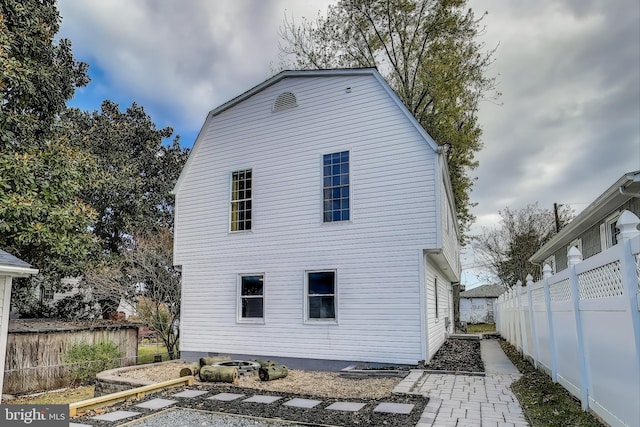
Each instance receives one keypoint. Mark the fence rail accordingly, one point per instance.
(582, 326)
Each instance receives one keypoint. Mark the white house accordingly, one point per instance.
(476, 305)
(315, 224)
(10, 267)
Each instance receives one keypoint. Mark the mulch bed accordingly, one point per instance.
(314, 416)
(457, 355)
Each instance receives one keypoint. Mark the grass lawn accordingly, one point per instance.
(71, 395)
(481, 328)
(146, 352)
(545, 403)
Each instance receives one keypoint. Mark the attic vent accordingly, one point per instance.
(284, 101)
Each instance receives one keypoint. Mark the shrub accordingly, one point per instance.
(87, 360)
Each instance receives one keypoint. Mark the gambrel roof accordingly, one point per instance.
(305, 73)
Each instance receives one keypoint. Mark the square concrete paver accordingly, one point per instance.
(226, 397)
(302, 403)
(190, 393)
(156, 403)
(115, 415)
(79, 425)
(394, 408)
(346, 406)
(262, 398)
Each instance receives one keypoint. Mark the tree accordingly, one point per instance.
(426, 50)
(43, 219)
(505, 250)
(145, 278)
(136, 171)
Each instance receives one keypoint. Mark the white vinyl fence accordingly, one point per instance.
(582, 326)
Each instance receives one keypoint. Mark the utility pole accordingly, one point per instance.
(555, 211)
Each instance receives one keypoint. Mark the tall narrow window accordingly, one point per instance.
(241, 200)
(251, 294)
(435, 290)
(321, 295)
(336, 187)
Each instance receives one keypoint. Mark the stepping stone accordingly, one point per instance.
(394, 408)
(79, 425)
(156, 403)
(190, 393)
(302, 403)
(346, 406)
(226, 397)
(262, 398)
(115, 416)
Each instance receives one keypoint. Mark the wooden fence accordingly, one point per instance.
(582, 326)
(36, 348)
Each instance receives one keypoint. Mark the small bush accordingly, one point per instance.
(87, 360)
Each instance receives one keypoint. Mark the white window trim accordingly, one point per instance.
(551, 261)
(251, 320)
(608, 222)
(230, 203)
(351, 200)
(313, 321)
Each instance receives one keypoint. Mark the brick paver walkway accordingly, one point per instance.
(465, 400)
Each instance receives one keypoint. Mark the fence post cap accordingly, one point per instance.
(628, 225)
(574, 256)
(547, 271)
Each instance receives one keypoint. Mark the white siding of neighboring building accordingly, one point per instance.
(5, 299)
(377, 254)
(477, 310)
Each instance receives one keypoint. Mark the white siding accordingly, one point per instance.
(376, 254)
(436, 320)
(450, 245)
(5, 304)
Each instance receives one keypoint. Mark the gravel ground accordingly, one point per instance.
(193, 418)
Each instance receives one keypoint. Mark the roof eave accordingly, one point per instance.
(621, 191)
(14, 271)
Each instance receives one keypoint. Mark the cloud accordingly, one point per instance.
(569, 124)
(182, 58)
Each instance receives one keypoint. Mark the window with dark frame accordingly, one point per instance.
(252, 296)
(241, 193)
(335, 187)
(46, 294)
(321, 295)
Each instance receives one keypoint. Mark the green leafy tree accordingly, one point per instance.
(43, 218)
(136, 171)
(428, 52)
(505, 250)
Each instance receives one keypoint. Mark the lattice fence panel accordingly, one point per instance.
(560, 291)
(537, 296)
(602, 282)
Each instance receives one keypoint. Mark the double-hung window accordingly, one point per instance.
(251, 298)
(241, 193)
(335, 187)
(321, 295)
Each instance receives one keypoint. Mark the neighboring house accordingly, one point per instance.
(47, 295)
(10, 267)
(594, 229)
(476, 305)
(315, 224)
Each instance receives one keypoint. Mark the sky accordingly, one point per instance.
(566, 127)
